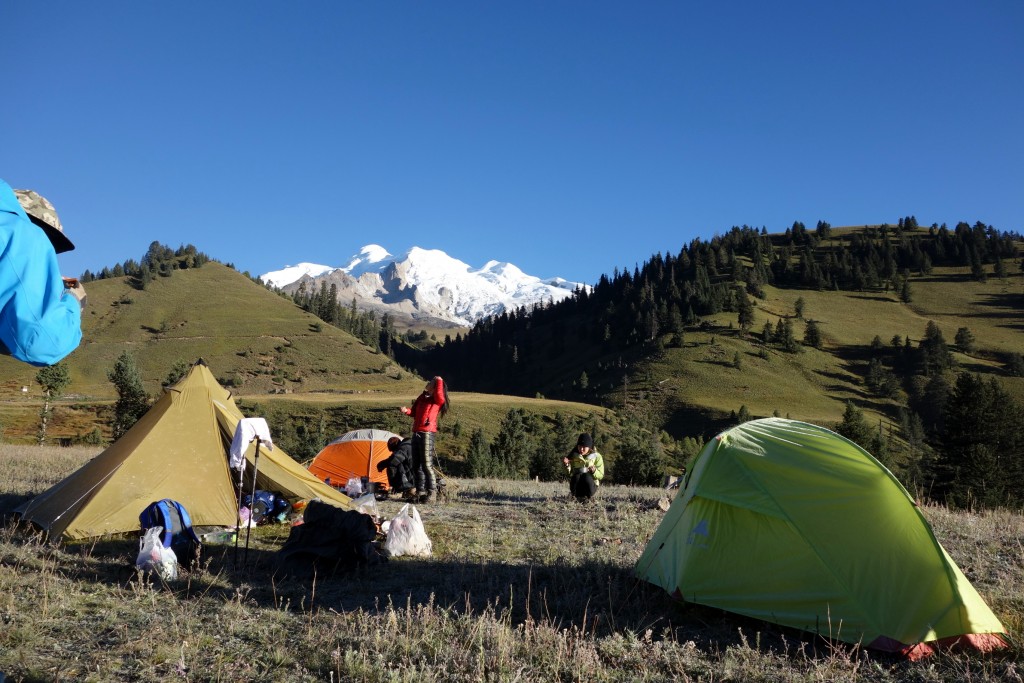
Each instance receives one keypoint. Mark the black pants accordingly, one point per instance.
(582, 485)
(423, 462)
(400, 478)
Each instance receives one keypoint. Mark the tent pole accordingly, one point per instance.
(238, 508)
(252, 497)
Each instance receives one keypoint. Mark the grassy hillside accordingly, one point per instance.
(523, 584)
(252, 339)
(695, 386)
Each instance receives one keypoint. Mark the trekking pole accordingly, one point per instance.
(238, 510)
(252, 497)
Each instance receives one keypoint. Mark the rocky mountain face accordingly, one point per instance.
(425, 286)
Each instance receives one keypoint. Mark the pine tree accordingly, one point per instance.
(854, 427)
(53, 380)
(933, 352)
(132, 400)
(479, 463)
(812, 335)
(906, 294)
(745, 308)
(1015, 364)
(640, 460)
(981, 456)
(177, 371)
(964, 339)
(788, 341)
(511, 448)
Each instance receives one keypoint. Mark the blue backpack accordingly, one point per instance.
(178, 534)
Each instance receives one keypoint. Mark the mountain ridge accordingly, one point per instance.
(425, 286)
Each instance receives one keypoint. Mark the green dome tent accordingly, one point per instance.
(793, 524)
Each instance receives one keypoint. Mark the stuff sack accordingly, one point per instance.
(266, 507)
(328, 541)
(155, 557)
(177, 532)
(406, 535)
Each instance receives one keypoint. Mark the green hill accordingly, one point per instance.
(697, 384)
(253, 340)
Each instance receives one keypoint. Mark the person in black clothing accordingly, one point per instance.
(399, 467)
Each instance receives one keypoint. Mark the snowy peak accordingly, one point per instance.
(427, 285)
(290, 274)
(371, 258)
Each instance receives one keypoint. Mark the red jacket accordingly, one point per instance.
(425, 408)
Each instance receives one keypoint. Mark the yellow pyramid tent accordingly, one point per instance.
(179, 450)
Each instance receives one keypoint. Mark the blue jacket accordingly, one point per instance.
(40, 323)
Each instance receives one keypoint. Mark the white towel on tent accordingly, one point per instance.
(249, 428)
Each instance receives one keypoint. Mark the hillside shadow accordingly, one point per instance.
(1013, 301)
(489, 498)
(947, 277)
(881, 298)
(694, 421)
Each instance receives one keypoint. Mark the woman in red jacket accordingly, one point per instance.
(428, 407)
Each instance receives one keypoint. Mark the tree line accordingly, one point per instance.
(521, 350)
(158, 261)
(958, 439)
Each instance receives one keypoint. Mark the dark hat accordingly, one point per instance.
(393, 443)
(585, 440)
(42, 213)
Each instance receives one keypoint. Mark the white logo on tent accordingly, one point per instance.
(700, 535)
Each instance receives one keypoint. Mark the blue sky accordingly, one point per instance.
(568, 138)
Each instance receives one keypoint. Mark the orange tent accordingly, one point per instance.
(354, 454)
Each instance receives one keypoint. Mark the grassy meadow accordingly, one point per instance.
(523, 585)
(693, 385)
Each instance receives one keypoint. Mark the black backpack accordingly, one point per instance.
(178, 534)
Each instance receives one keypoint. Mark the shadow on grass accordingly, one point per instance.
(594, 597)
(493, 498)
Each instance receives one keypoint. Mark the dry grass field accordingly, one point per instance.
(523, 585)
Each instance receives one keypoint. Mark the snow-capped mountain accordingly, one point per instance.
(425, 286)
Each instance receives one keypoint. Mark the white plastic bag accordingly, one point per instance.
(406, 535)
(154, 557)
(354, 487)
(367, 504)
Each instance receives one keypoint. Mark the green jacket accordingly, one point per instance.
(594, 458)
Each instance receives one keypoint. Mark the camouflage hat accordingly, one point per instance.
(44, 215)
